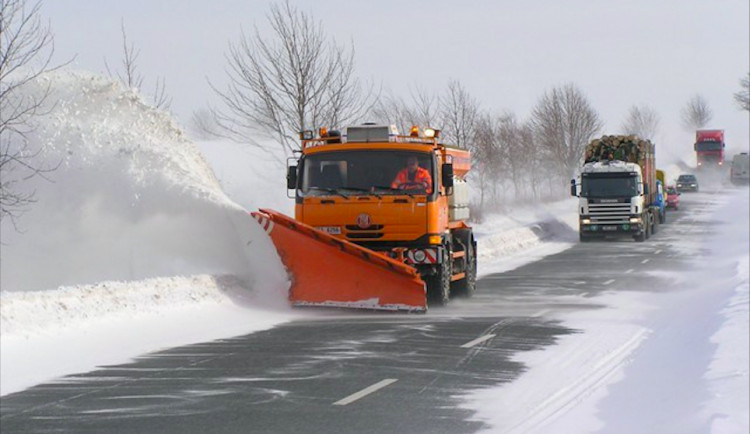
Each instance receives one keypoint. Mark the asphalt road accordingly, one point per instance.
(349, 371)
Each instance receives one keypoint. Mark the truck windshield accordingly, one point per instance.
(621, 185)
(367, 172)
(708, 146)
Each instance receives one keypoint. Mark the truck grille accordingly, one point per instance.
(354, 232)
(609, 213)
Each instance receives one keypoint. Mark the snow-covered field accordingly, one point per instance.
(136, 246)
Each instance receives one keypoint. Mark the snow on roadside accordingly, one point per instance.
(120, 254)
(49, 334)
(525, 234)
(728, 373)
(635, 366)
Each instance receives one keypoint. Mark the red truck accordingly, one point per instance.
(709, 148)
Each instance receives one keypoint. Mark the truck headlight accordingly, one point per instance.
(586, 221)
(635, 220)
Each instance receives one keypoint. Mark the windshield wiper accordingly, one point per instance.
(364, 190)
(397, 190)
(329, 190)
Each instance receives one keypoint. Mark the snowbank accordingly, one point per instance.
(131, 247)
(132, 199)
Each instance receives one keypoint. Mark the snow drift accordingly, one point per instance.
(133, 198)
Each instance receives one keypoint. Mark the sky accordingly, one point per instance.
(505, 53)
(109, 233)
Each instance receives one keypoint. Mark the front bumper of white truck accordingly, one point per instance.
(633, 226)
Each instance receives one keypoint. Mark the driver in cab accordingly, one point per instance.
(413, 177)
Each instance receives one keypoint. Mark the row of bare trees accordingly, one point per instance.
(294, 78)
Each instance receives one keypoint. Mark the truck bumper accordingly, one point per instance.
(603, 230)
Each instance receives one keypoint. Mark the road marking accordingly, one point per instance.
(629, 271)
(657, 252)
(366, 391)
(644, 261)
(478, 340)
(541, 313)
(609, 281)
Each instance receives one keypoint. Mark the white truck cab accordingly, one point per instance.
(611, 200)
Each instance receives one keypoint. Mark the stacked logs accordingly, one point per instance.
(623, 148)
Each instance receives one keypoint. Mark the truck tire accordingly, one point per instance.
(466, 286)
(643, 235)
(439, 284)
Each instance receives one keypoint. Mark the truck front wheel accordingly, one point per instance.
(439, 284)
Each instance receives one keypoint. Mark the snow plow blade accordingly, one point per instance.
(328, 271)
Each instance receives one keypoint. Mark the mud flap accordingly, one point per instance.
(328, 271)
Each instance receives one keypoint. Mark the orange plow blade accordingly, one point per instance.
(328, 271)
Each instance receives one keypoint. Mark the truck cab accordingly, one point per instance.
(611, 200)
(358, 187)
(709, 148)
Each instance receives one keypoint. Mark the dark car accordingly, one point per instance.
(687, 182)
(673, 198)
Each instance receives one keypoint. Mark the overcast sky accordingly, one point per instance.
(506, 53)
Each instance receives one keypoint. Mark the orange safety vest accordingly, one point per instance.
(421, 175)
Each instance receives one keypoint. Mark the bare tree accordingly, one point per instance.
(696, 113)
(26, 49)
(642, 121)
(421, 109)
(297, 79)
(459, 112)
(133, 79)
(742, 97)
(487, 154)
(563, 122)
(203, 124)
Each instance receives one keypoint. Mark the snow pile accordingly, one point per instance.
(507, 240)
(132, 247)
(132, 199)
(29, 313)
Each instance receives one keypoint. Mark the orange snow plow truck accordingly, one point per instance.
(380, 220)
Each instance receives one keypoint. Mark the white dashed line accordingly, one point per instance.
(657, 252)
(366, 391)
(610, 281)
(629, 271)
(644, 261)
(478, 340)
(541, 313)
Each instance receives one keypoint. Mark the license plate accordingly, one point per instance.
(609, 228)
(333, 230)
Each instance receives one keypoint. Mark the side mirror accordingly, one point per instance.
(447, 177)
(573, 187)
(291, 177)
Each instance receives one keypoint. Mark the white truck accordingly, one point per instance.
(617, 188)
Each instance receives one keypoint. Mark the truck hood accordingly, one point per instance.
(366, 218)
